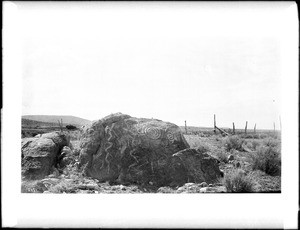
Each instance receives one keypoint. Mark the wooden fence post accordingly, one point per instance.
(280, 123)
(274, 127)
(185, 127)
(215, 123)
(255, 128)
(246, 127)
(60, 125)
(233, 128)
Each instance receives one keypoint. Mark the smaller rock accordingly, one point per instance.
(165, 190)
(91, 186)
(189, 184)
(230, 157)
(203, 184)
(203, 190)
(218, 189)
(150, 182)
(189, 188)
(210, 185)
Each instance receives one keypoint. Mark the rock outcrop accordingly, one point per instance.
(40, 154)
(137, 150)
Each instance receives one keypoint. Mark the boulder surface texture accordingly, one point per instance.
(138, 150)
(40, 154)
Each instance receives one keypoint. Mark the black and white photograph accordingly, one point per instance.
(150, 114)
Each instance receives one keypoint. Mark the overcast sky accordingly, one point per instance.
(170, 61)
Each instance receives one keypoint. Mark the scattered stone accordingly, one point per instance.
(165, 190)
(189, 188)
(210, 185)
(92, 186)
(217, 189)
(203, 184)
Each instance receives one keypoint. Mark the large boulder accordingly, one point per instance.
(40, 154)
(128, 149)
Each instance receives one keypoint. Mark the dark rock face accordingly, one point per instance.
(127, 149)
(195, 167)
(39, 154)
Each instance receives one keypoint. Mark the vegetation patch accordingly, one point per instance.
(222, 155)
(234, 142)
(237, 181)
(267, 159)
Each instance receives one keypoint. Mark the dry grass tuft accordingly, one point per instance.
(222, 155)
(267, 159)
(237, 181)
(234, 142)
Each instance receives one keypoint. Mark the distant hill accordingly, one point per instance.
(32, 123)
(67, 120)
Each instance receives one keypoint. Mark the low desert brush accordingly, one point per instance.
(253, 144)
(221, 155)
(271, 142)
(246, 136)
(267, 159)
(234, 142)
(237, 181)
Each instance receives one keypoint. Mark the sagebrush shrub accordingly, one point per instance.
(267, 159)
(271, 142)
(253, 144)
(255, 136)
(263, 136)
(236, 181)
(234, 142)
(249, 136)
(222, 155)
